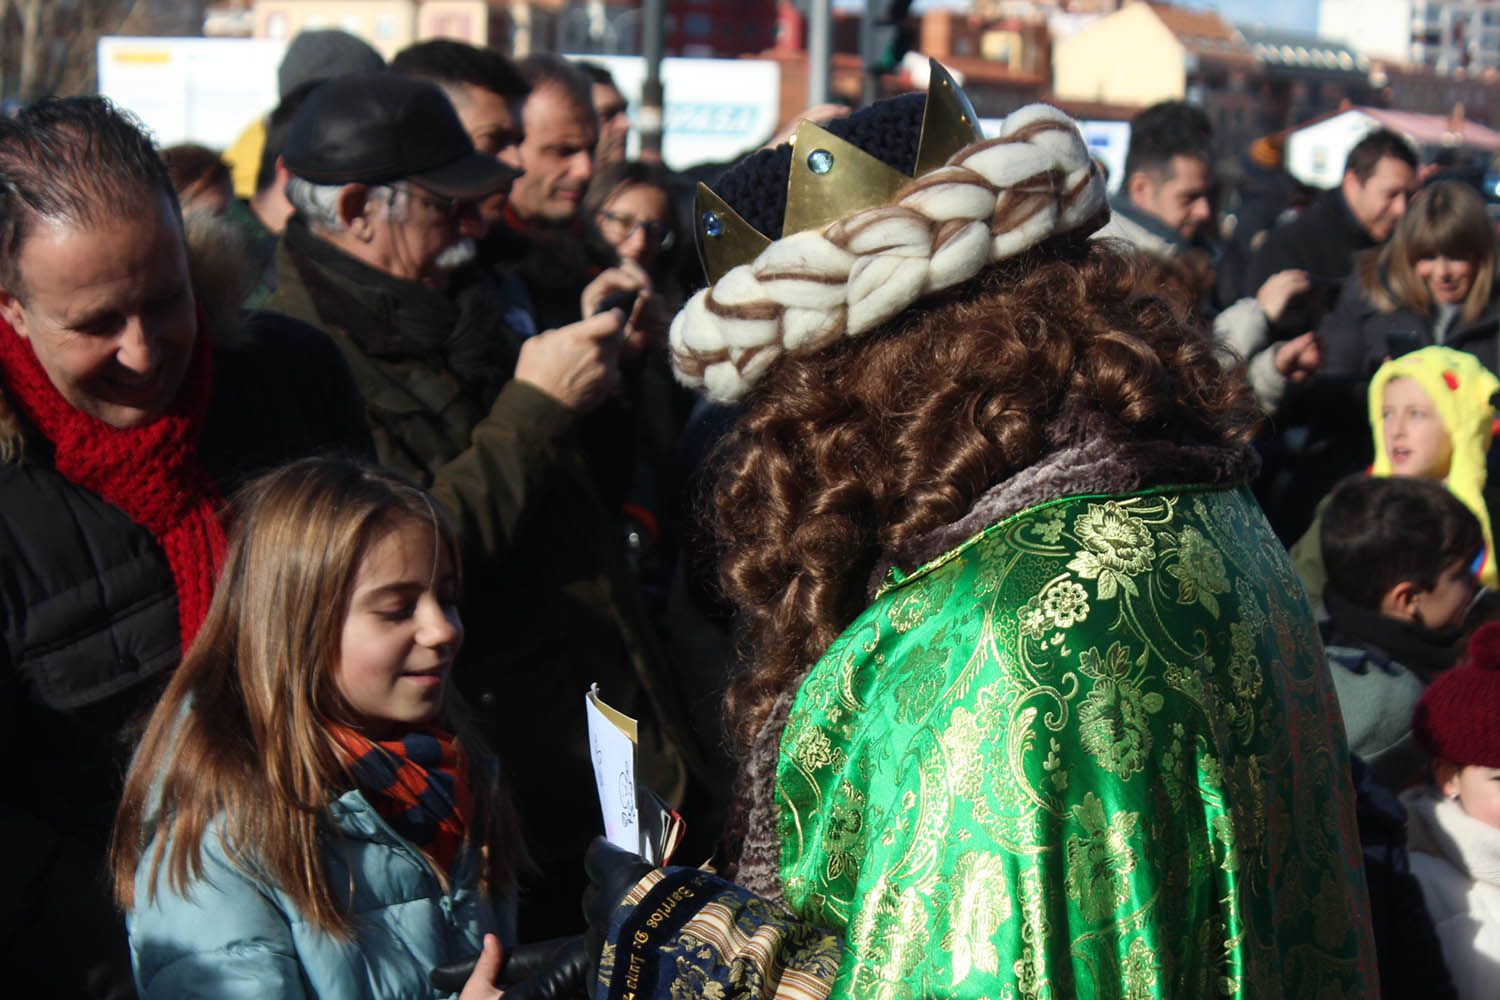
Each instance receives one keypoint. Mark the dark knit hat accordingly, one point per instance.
(1458, 718)
(324, 54)
(889, 130)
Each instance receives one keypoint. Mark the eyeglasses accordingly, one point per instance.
(619, 228)
(450, 208)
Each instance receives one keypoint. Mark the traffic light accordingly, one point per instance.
(890, 36)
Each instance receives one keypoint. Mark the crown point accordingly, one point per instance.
(820, 161)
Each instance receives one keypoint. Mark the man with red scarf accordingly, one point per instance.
(125, 416)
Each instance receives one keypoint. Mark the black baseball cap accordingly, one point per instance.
(377, 128)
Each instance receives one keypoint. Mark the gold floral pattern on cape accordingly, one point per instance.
(1081, 746)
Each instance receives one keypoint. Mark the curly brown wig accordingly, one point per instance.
(849, 453)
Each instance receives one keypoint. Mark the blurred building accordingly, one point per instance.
(229, 19)
(1424, 89)
(1147, 52)
(1316, 152)
(1446, 35)
(1003, 63)
(719, 28)
(1250, 79)
(388, 25)
(1303, 75)
(703, 28)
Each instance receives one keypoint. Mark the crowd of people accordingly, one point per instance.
(1021, 591)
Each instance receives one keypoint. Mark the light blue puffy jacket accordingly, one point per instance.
(233, 935)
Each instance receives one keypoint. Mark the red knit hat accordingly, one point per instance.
(1458, 717)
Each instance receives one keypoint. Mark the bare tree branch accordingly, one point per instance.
(49, 46)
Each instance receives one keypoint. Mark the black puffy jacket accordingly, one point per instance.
(1357, 336)
(88, 636)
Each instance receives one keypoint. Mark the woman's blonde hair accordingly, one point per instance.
(242, 733)
(1446, 219)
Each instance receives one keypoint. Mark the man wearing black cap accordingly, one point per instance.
(385, 183)
(312, 57)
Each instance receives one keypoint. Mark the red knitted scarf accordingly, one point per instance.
(150, 472)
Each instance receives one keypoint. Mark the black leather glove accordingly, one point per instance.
(559, 967)
(612, 873)
(564, 967)
(563, 974)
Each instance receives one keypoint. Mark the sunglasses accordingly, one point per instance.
(619, 228)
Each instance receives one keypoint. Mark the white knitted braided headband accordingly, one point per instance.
(991, 200)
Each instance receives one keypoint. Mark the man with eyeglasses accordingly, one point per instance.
(386, 184)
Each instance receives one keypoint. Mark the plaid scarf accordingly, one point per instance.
(419, 784)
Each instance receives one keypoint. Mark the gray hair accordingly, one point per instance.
(318, 204)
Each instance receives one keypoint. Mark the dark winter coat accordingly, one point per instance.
(550, 604)
(1357, 336)
(88, 635)
(1323, 241)
(1321, 433)
(550, 268)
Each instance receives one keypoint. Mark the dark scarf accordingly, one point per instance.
(1427, 652)
(459, 330)
(555, 263)
(151, 473)
(419, 784)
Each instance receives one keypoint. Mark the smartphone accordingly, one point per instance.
(623, 300)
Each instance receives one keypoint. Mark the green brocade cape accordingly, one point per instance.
(1092, 751)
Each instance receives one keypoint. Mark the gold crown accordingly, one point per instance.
(834, 178)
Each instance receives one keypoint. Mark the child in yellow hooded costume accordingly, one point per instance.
(1460, 392)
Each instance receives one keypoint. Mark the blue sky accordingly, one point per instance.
(1299, 14)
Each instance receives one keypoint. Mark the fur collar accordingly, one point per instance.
(1090, 454)
(1439, 826)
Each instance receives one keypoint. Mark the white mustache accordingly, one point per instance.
(457, 255)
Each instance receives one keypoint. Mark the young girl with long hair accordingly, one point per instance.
(308, 813)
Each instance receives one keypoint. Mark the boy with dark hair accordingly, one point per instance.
(1400, 555)
(1399, 552)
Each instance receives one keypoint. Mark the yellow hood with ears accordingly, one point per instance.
(1463, 391)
